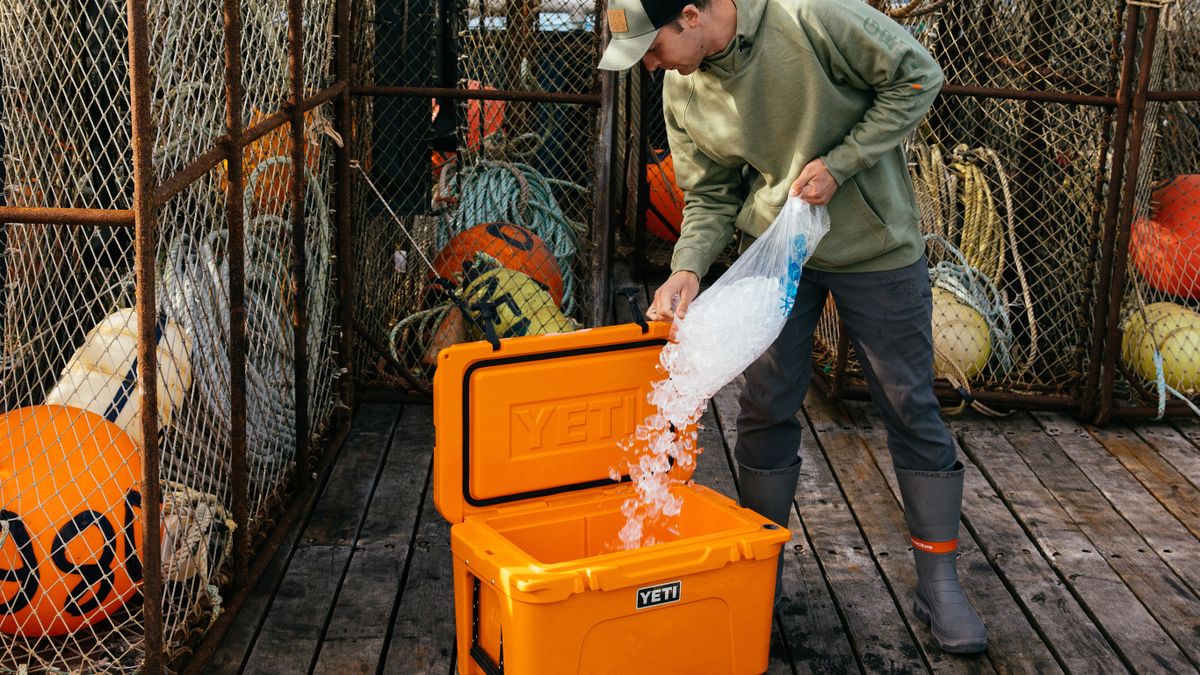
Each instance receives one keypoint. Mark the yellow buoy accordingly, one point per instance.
(102, 376)
(523, 306)
(960, 336)
(1175, 331)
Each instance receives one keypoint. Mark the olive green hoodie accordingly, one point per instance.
(802, 79)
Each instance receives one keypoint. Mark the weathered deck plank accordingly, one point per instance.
(1166, 537)
(1176, 444)
(1159, 589)
(1143, 644)
(881, 641)
(1075, 642)
(291, 636)
(879, 515)
(816, 637)
(361, 622)
(371, 426)
(1172, 489)
(422, 638)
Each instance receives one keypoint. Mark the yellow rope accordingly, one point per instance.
(982, 237)
(960, 205)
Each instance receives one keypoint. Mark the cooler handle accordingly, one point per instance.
(481, 657)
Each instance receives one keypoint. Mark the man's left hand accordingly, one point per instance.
(815, 184)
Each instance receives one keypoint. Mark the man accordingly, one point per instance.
(766, 98)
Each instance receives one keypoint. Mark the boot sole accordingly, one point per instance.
(921, 610)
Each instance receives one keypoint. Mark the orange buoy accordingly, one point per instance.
(512, 245)
(267, 164)
(664, 216)
(484, 118)
(70, 509)
(1177, 203)
(1166, 247)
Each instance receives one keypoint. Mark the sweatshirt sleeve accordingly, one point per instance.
(711, 199)
(867, 50)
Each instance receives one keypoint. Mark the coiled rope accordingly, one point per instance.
(491, 191)
(196, 293)
(960, 206)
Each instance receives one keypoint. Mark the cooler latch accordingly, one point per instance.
(488, 317)
(630, 293)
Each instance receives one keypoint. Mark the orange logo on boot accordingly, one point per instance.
(935, 546)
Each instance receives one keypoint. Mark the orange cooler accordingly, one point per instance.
(525, 437)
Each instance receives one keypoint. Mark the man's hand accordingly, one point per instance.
(673, 297)
(815, 184)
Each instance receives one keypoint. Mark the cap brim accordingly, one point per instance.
(624, 53)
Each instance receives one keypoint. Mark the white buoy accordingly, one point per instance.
(102, 376)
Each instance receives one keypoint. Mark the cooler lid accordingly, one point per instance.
(539, 416)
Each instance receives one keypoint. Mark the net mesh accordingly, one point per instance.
(492, 197)
(70, 509)
(1162, 292)
(1010, 192)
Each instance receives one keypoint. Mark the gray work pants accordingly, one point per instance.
(887, 316)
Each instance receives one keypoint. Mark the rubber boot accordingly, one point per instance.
(770, 494)
(932, 505)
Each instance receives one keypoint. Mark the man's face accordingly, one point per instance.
(678, 45)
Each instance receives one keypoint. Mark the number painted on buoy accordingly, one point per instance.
(70, 543)
(25, 576)
(517, 237)
(95, 585)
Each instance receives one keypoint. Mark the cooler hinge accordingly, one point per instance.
(481, 657)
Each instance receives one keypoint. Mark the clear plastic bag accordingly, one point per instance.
(735, 320)
(726, 328)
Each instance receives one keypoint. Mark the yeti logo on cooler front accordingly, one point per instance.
(662, 594)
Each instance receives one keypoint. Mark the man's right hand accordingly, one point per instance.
(671, 300)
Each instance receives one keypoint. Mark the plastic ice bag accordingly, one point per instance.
(727, 327)
(735, 320)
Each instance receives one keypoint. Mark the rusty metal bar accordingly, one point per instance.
(949, 395)
(1173, 409)
(1120, 146)
(641, 146)
(602, 228)
(1181, 95)
(146, 227)
(218, 153)
(1120, 256)
(38, 215)
(1028, 95)
(634, 147)
(344, 119)
(299, 182)
(192, 172)
(239, 469)
(520, 26)
(593, 98)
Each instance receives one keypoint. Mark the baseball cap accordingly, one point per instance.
(634, 25)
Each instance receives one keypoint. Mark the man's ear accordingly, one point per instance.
(690, 15)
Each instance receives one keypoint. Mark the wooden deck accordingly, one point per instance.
(1079, 547)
